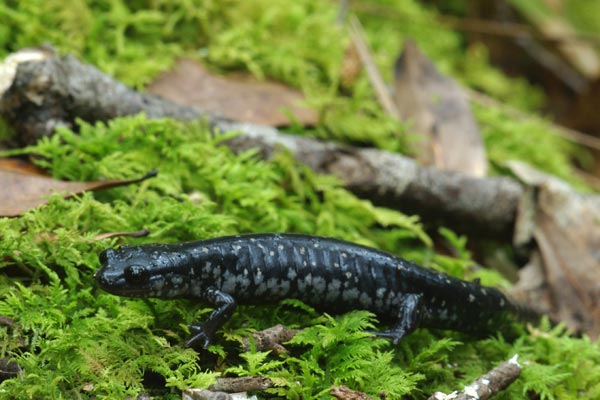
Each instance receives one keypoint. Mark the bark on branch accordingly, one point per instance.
(50, 91)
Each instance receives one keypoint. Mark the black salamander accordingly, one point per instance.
(330, 275)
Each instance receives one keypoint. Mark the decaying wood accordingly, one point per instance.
(270, 339)
(488, 385)
(241, 384)
(55, 90)
(482, 206)
(51, 91)
(345, 393)
(204, 394)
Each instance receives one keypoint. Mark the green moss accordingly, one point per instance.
(531, 140)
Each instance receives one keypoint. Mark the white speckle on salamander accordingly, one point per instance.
(343, 254)
(291, 275)
(204, 249)
(261, 289)
(400, 267)
(242, 281)
(177, 281)
(334, 286)
(313, 263)
(348, 275)
(280, 247)
(433, 300)
(319, 284)
(272, 284)
(302, 250)
(336, 264)
(316, 245)
(237, 247)
(259, 276)
(502, 303)
(271, 253)
(483, 291)
(365, 300)
(448, 281)
(381, 292)
(464, 284)
(443, 303)
(158, 284)
(443, 314)
(207, 265)
(284, 288)
(350, 294)
(471, 298)
(228, 283)
(245, 271)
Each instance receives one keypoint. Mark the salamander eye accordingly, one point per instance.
(106, 255)
(136, 274)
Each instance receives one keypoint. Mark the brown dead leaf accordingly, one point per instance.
(440, 111)
(564, 277)
(24, 190)
(237, 96)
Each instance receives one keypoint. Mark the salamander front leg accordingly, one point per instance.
(203, 332)
(409, 318)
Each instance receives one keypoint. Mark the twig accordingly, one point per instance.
(365, 54)
(345, 393)
(57, 90)
(488, 385)
(204, 394)
(241, 384)
(271, 339)
(108, 235)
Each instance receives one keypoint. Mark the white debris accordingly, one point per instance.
(471, 391)
(444, 396)
(8, 67)
(514, 360)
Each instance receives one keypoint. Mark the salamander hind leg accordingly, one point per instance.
(203, 332)
(409, 317)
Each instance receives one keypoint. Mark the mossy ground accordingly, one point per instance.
(81, 342)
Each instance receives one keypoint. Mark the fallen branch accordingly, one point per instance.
(270, 339)
(241, 384)
(49, 91)
(488, 385)
(345, 393)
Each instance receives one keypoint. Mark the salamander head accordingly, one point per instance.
(139, 271)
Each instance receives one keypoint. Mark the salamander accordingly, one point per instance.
(329, 274)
